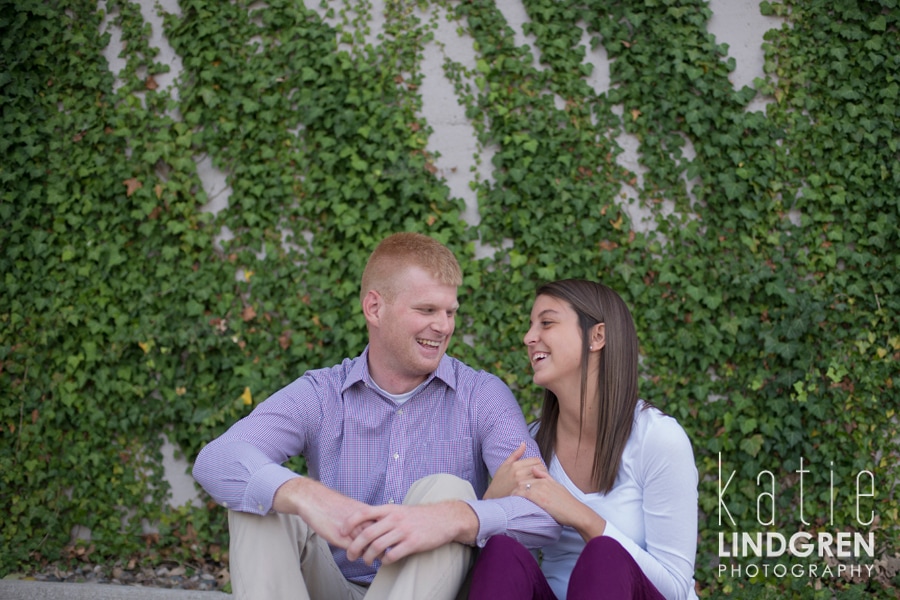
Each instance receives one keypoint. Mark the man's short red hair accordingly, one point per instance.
(399, 251)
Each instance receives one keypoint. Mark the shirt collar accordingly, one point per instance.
(359, 372)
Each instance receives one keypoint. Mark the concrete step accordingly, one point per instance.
(20, 589)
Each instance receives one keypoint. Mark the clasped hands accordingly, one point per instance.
(388, 532)
(392, 531)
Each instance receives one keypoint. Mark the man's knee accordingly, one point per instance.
(438, 487)
(268, 529)
(238, 521)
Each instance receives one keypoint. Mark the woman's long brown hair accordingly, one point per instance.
(618, 379)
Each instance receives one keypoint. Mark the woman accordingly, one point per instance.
(621, 480)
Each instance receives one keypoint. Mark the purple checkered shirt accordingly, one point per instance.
(360, 443)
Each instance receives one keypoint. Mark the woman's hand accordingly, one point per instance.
(511, 472)
(560, 504)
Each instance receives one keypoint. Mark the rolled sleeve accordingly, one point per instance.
(491, 520)
(262, 486)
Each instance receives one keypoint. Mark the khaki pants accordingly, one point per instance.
(279, 557)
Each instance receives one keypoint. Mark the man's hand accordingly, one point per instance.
(321, 508)
(512, 472)
(393, 531)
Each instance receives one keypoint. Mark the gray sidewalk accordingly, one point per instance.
(17, 589)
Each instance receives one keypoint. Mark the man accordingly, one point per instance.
(401, 422)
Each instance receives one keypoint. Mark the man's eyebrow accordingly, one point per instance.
(434, 306)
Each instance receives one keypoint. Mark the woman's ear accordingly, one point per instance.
(598, 336)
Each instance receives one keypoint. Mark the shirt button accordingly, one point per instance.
(391, 501)
(396, 455)
(400, 411)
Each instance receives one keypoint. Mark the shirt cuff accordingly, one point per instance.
(260, 491)
(491, 520)
(611, 531)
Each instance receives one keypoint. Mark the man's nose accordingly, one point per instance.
(442, 322)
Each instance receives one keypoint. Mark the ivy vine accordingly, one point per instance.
(765, 293)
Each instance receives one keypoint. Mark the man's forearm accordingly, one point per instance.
(289, 497)
(320, 507)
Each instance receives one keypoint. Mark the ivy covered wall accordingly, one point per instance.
(764, 286)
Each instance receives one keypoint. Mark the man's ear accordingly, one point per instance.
(372, 304)
(598, 336)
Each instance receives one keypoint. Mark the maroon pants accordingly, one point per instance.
(505, 570)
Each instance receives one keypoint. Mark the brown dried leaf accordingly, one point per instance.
(248, 314)
(608, 245)
(284, 340)
(132, 185)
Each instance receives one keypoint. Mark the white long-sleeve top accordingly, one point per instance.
(651, 510)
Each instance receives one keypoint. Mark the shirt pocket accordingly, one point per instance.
(454, 457)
